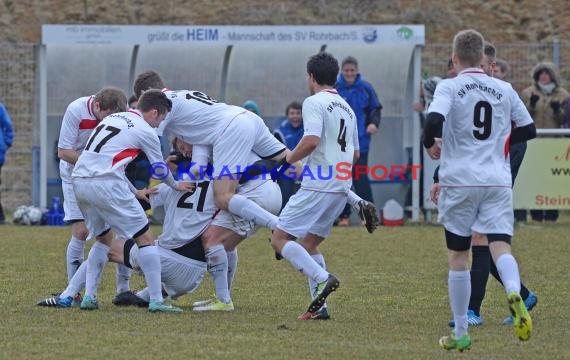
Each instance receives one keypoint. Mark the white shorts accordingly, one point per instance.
(311, 212)
(109, 203)
(486, 210)
(70, 206)
(179, 275)
(264, 193)
(246, 133)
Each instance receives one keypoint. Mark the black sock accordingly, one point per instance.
(479, 276)
(495, 272)
(524, 292)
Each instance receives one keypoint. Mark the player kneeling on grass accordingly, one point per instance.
(471, 115)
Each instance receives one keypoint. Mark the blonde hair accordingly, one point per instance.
(468, 45)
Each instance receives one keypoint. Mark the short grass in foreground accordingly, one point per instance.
(392, 303)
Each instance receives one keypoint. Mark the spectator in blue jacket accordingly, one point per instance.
(363, 100)
(6, 138)
(290, 133)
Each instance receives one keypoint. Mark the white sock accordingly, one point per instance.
(77, 282)
(509, 271)
(74, 256)
(249, 210)
(217, 260)
(232, 266)
(149, 262)
(96, 261)
(319, 259)
(353, 199)
(302, 261)
(459, 288)
(122, 278)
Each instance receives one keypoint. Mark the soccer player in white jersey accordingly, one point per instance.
(107, 199)
(182, 259)
(330, 137)
(81, 117)
(472, 115)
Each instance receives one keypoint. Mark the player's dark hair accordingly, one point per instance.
(324, 68)
(154, 99)
(293, 105)
(132, 100)
(490, 51)
(112, 99)
(349, 60)
(146, 80)
(503, 65)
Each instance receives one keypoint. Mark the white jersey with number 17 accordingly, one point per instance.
(478, 110)
(328, 116)
(114, 143)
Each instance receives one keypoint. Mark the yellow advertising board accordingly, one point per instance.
(543, 181)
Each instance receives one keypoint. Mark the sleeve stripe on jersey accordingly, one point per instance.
(88, 124)
(507, 146)
(89, 105)
(125, 154)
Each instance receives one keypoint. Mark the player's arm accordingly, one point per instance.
(525, 129)
(150, 145)
(523, 134)
(304, 148)
(68, 136)
(432, 129)
(374, 110)
(356, 143)
(313, 127)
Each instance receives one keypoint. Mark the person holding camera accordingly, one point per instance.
(546, 102)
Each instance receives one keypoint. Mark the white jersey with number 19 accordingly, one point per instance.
(196, 118)
(478, 110)
(328, 116)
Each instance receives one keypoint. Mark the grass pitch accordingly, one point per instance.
(392, 303)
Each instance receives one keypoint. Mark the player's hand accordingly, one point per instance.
(144, 194)
(171, 162)
(434, 192)
(371, 129)
(533, 100)
(555, 105)
(434, 151)
(186, 186)
(418, 106)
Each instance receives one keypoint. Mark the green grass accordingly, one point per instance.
(392, 303)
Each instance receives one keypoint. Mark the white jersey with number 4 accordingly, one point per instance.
(77, 124)
(187, 213)
(115, 142)
(478, 110)
(327, 115)
(196, 118)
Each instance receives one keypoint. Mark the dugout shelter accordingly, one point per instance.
(233, 64)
